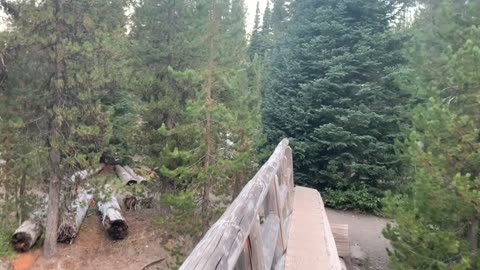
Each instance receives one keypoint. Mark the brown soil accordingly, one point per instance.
(365, 231)
(92, 249)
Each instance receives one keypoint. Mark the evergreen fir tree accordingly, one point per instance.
(330, 88)
(255, 39)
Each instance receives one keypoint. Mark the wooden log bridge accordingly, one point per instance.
(270, 225)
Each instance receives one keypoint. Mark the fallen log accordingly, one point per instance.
(30, 230)
(26, 235)
(73, 217)
(133, 203)
(112, 220)
(72, 220)
(125, 176)
(84, 174)
(137, 177)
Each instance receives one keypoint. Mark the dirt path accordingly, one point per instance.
(365, 231)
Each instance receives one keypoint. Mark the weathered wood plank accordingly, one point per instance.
(270, 232)
(257, 244)
(282, 246)
(310, 240)
(222, 244)
(244, 261)
(340, 234)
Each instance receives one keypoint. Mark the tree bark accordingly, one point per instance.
(73, 216)
(26, 235)
(30, 230)
(72, 220)
(137, 177)
(112, 220)
(473, 237)
(208, 102)
(125, 176)
(50, 245)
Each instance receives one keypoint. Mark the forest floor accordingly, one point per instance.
(366, 231)
(92, 249)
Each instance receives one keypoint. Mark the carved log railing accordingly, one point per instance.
(253, 231)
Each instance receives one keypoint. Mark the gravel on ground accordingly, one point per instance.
(366, 231)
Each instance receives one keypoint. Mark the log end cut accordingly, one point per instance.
(118, 229)
(22, 241)
(66, 234)
(26, 235)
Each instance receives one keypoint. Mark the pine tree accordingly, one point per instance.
(69, 49)
(179, 148)
(437, 219)
(330, 88)
(255, 39)
(279, 19)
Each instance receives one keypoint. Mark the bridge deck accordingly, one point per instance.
(310, 241)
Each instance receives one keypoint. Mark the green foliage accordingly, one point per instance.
(6, 249)
(352, 199)
(171, 83)
(183, 219)
(331, 89)
(436, 217)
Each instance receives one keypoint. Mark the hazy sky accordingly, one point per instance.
(251, 6)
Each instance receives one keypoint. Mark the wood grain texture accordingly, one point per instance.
(223, 243)
(340, 234)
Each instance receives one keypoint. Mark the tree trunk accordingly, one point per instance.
(20, 200)
(26, 235)
(208, 126)
(237, 186)
(72, 220)
(112, 219)
(50, 245)
(473, 237)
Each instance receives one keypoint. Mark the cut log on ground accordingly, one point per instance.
(125, 176)
(137, 177)
(31, 229)
(134, 203)
(112, 219)
(26, 235)
(84, 174)
(72, 220)
(73, 217)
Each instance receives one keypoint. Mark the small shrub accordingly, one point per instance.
(355, 198)
(182, 219)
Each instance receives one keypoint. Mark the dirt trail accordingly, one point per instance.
(365, 231)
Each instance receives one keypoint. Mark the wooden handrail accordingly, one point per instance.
(253, 231)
